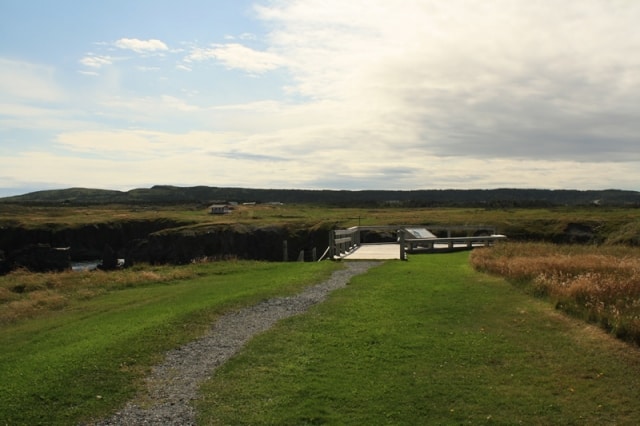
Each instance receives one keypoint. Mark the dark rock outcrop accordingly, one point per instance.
(5, 267)
(86, 242)
(41, 258)
(577, 233)
(109, 259)
(179, 246)
(157, 242)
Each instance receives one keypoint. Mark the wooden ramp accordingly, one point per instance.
(381, 251)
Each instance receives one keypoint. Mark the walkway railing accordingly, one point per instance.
(417, 245)
(344, 241)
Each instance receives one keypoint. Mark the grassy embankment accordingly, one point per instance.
(76, 345)
(429, 341)
(598, 284)
(618, 224)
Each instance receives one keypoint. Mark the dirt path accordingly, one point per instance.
(173, 384)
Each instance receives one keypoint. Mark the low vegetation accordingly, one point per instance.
(25, 295)
(428, 341)
(618, 225)
(600, 284)
(77, 346)
(425, 341)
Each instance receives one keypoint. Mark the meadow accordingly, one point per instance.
(86, 354)
(428, 341)
(539, 222)
(447, 338)
(599, 284)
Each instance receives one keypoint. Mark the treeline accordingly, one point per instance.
(497, 198)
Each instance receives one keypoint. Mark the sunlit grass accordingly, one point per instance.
(76, 359)
(600, 284)
(428, 341)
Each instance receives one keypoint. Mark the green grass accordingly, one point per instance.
(600, 284)
(87, 359)
(535, 221)
(429, 341)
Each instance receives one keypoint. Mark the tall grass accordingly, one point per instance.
(598, 284)
(25, 294)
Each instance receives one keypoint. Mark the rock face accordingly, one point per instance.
(5, 267)
(86, 242)
(41, 258)
(109, 259)
(578, 233)
(154, 242)
(237, 241)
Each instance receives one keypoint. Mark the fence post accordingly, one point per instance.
(314, 256)
(403, 255)
(285, 251)
(332, 244)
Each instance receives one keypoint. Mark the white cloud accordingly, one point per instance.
(141, 46)
(96, 61)
(238, 56)
(412, 94)
(472, 79)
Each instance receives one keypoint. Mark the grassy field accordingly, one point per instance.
(428, 341)
(86, 356)
(597, 284)
(425, 341)
(536, 221)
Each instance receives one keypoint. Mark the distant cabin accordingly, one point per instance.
(220, 209)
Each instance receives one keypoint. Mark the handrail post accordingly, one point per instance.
(332, 244)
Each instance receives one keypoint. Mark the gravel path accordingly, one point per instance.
(173, 384)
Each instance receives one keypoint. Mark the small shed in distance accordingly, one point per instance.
(220, 209)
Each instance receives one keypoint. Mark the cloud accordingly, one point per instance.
(235, 155)
(96, 61)
(141, 46)
(237, 56)
(361, 94)
(472, 79)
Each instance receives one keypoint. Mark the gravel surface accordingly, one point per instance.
(173, 385)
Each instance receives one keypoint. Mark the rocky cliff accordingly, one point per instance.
(158, 241)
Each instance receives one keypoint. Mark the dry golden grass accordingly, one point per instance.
(25, 294)
(599, 284)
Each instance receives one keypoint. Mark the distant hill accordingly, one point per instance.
(164, 194)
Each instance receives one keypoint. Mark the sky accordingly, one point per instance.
(319, 94)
